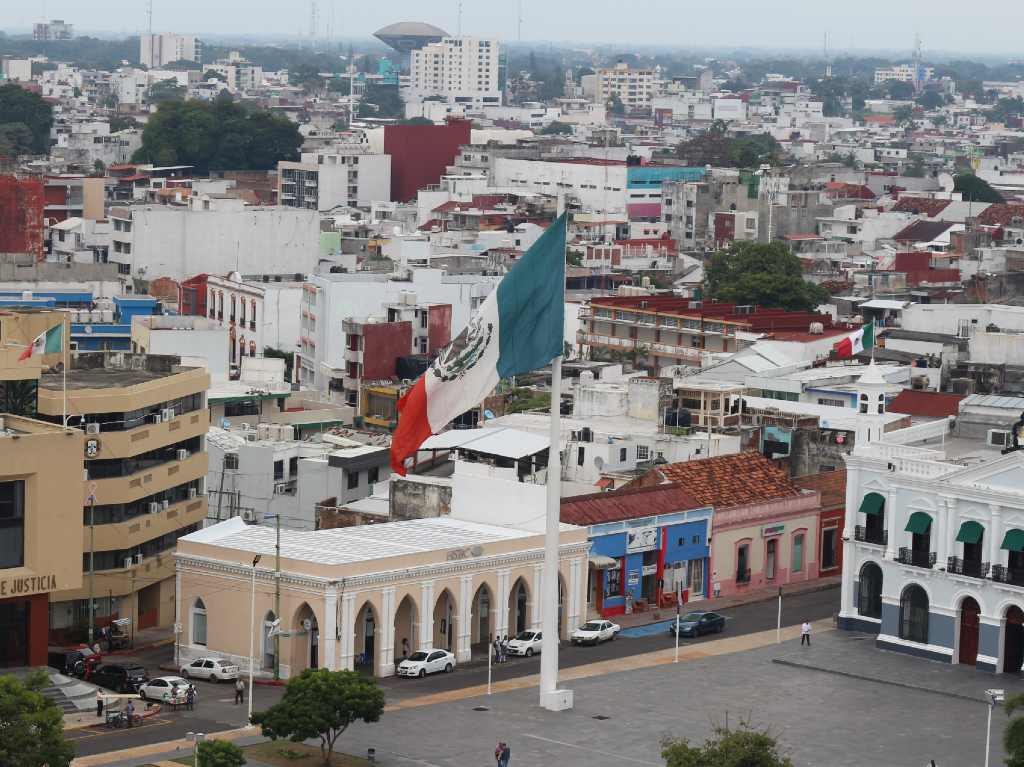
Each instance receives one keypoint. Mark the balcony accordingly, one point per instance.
(868, 535)
(969, 567)
(1008, 575)
(925, 559)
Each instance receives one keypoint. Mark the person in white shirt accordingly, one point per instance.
(805, 633)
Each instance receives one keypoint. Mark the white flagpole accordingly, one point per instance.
(65, 343)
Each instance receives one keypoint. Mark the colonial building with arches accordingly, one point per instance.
(934, 537)
(361, 597)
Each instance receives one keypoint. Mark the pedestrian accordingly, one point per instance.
(497, 650)
(504, 649)
(502, 754)
(239, 691)
(129, 713)
(405, 648)
(99, 702)
(805, 633)
(190, 697)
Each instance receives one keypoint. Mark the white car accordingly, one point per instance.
(525, 643)
(216, 669)
(427, 662)
(595, 632)
(164, 689)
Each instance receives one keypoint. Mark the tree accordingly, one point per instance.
(903, 114)
(220, 753)
(930, 100)
(916, 168)
(719, 150)
(899, 91)
(615, 105)
(212, 74)
(740, 747)
(22, 107)
(1013, 735)
(119, 123)
(166, 90)
(556, 128)
(762, 274)
(322, 704)
(31, 726)
(975, 189)
(381, 101)
(15, 139)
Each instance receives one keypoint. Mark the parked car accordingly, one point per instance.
(215, 669)
(525, 643)
(119, 677)
(595, 632)
(427, 662)
(72, 662)
(164, 689)
(696, 624)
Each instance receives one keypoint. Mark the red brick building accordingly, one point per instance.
(420, 154)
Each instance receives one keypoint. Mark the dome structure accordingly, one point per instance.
(406, 36)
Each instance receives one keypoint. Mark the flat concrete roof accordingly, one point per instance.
(100, 378)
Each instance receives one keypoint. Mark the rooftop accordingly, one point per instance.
(631, 503)
(714, 481)
(926, 404)
(831, 485)
(103, 370)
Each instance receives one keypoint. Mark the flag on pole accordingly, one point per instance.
(858, 341)
(518, 328)
(47, 342)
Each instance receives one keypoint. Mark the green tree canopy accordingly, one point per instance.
(218, 136)
(31, 726)
(381, 101)
(25, 108)
(762, 274)
(220, 753)
(901, 91)
(556, 128)
(166, 90)
(931, 100)
(15, 139)
(741, 747)
(720, 150)
(322, 704)
(975, 189)
(903, 114)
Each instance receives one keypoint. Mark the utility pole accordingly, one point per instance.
(92, 560)
(131, 604)
(277, 599)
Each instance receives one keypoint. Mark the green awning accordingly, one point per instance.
(919, 523)
(1013, 540)
(970, 532)
(873, 503)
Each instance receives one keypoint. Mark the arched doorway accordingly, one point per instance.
(481, 619)
(445, 612)
(269, 646)
(366, 638)
(518, 607)
(914, 614)
(306, 645)
(1013, 640)
(970, 621)
(869, 591)
(406, 629)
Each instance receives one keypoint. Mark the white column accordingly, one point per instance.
(890, 518)
(386, 632)
(995, 534)
(465, 652)
(574, 593)
(426, 614)
(535, 618)
(348, 632)
(330, 631)
(178, 628)
(948, 525)
(848, 605)
(501, 624)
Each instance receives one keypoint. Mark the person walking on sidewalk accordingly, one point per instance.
(190, 697)
(502, 754)
(805, 633)
(239, 691)
(99, 702)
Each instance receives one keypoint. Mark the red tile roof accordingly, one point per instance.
(1001, 214)
(927, 404)
(831, 485)
(924, 206)
(922, 231)
(837, 190)
(634, 503)
(731, 480)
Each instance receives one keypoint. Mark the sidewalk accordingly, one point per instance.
(750, 597)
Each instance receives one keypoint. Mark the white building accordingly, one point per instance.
(17, 70)
(159, 50)
(599, 186)
(904, 73)
(635, 88)
(237, 306)
(240, 75)
(80, 241)
(197, 340)
(462, 70)
(340, 176)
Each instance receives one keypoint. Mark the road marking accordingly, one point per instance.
(591, 750)
(411, 759)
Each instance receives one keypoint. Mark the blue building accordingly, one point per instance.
(645, 544)
(653, 176)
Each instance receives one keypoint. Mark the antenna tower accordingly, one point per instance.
(458, 28)
(314, 22)
(149, 17)
(519, 22)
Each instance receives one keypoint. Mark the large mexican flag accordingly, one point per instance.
(48, 342)
(856, 342)
(518, 328)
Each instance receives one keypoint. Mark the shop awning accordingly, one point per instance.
(919, 523)
(1013, 540)
(601, 562)
(970, 532)
(873, 503)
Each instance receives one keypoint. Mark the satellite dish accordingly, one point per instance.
(488, 415)
(598, 462)
(947, 182)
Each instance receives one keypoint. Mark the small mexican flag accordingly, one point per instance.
(48, 342)
(856, 342)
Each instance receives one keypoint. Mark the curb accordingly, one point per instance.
(865, 678)
(143, 647)
(245, 677)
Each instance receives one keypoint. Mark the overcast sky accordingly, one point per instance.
(984, 26)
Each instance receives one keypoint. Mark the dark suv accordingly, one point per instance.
(119, 677)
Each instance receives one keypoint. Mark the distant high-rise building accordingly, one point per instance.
(53, 30)
(634, 88)
(462, 70)
(157, 51)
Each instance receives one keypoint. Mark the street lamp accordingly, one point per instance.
(196, 738)
(252, 631)
(994, 697)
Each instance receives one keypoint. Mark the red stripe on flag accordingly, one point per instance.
(27, 353)
(844, 349)
(413, 426)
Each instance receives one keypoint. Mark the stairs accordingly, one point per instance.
(56, 694)
(70, 694)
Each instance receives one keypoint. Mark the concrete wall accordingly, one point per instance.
(412, 499)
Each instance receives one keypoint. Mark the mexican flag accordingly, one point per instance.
(518, 328)
(856, 342)
(48, 342)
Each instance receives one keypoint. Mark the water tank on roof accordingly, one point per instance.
(287, 432)
(816, 329)
(586, 377)
(262, 431)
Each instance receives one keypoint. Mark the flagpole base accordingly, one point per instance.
(556, 700)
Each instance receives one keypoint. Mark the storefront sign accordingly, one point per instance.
(641, 539)
(634, 578)
(769, 530)
(33, 584)
(466, 552)
(650, 570)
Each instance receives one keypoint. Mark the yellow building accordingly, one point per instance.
(144, 421)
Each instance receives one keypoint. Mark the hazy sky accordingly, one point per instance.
(984, 26)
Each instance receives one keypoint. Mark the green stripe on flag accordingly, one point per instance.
(869, 335)
(52, 344)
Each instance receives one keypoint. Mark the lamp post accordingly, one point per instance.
(277, 591)
(196, 738)
(994, 697)
(252, 631)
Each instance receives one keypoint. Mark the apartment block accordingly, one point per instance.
(156, 51)
(635, 88)
(56, 29)
(462, 70)
(342, 176)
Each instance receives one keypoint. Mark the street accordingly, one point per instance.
(215, 709)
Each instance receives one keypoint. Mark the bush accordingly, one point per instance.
(220, 753)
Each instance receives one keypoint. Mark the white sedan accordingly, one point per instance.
(595, 632)
(164, 689)
(427, 662)
(526, 643)
(216, 669)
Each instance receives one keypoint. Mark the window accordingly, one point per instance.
(613, 582)
(828, 548)
(279, 469)
(12, 524)
(373, 474)
(580, 455)
(642, 452)
(231, 461)
(743, 563)
(798, 553)
(914, 614)
(199, 622)
(771, 550)
(622, 455)
(831, 402)
(352, 480)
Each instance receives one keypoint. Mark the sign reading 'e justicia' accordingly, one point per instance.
(30, 584)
